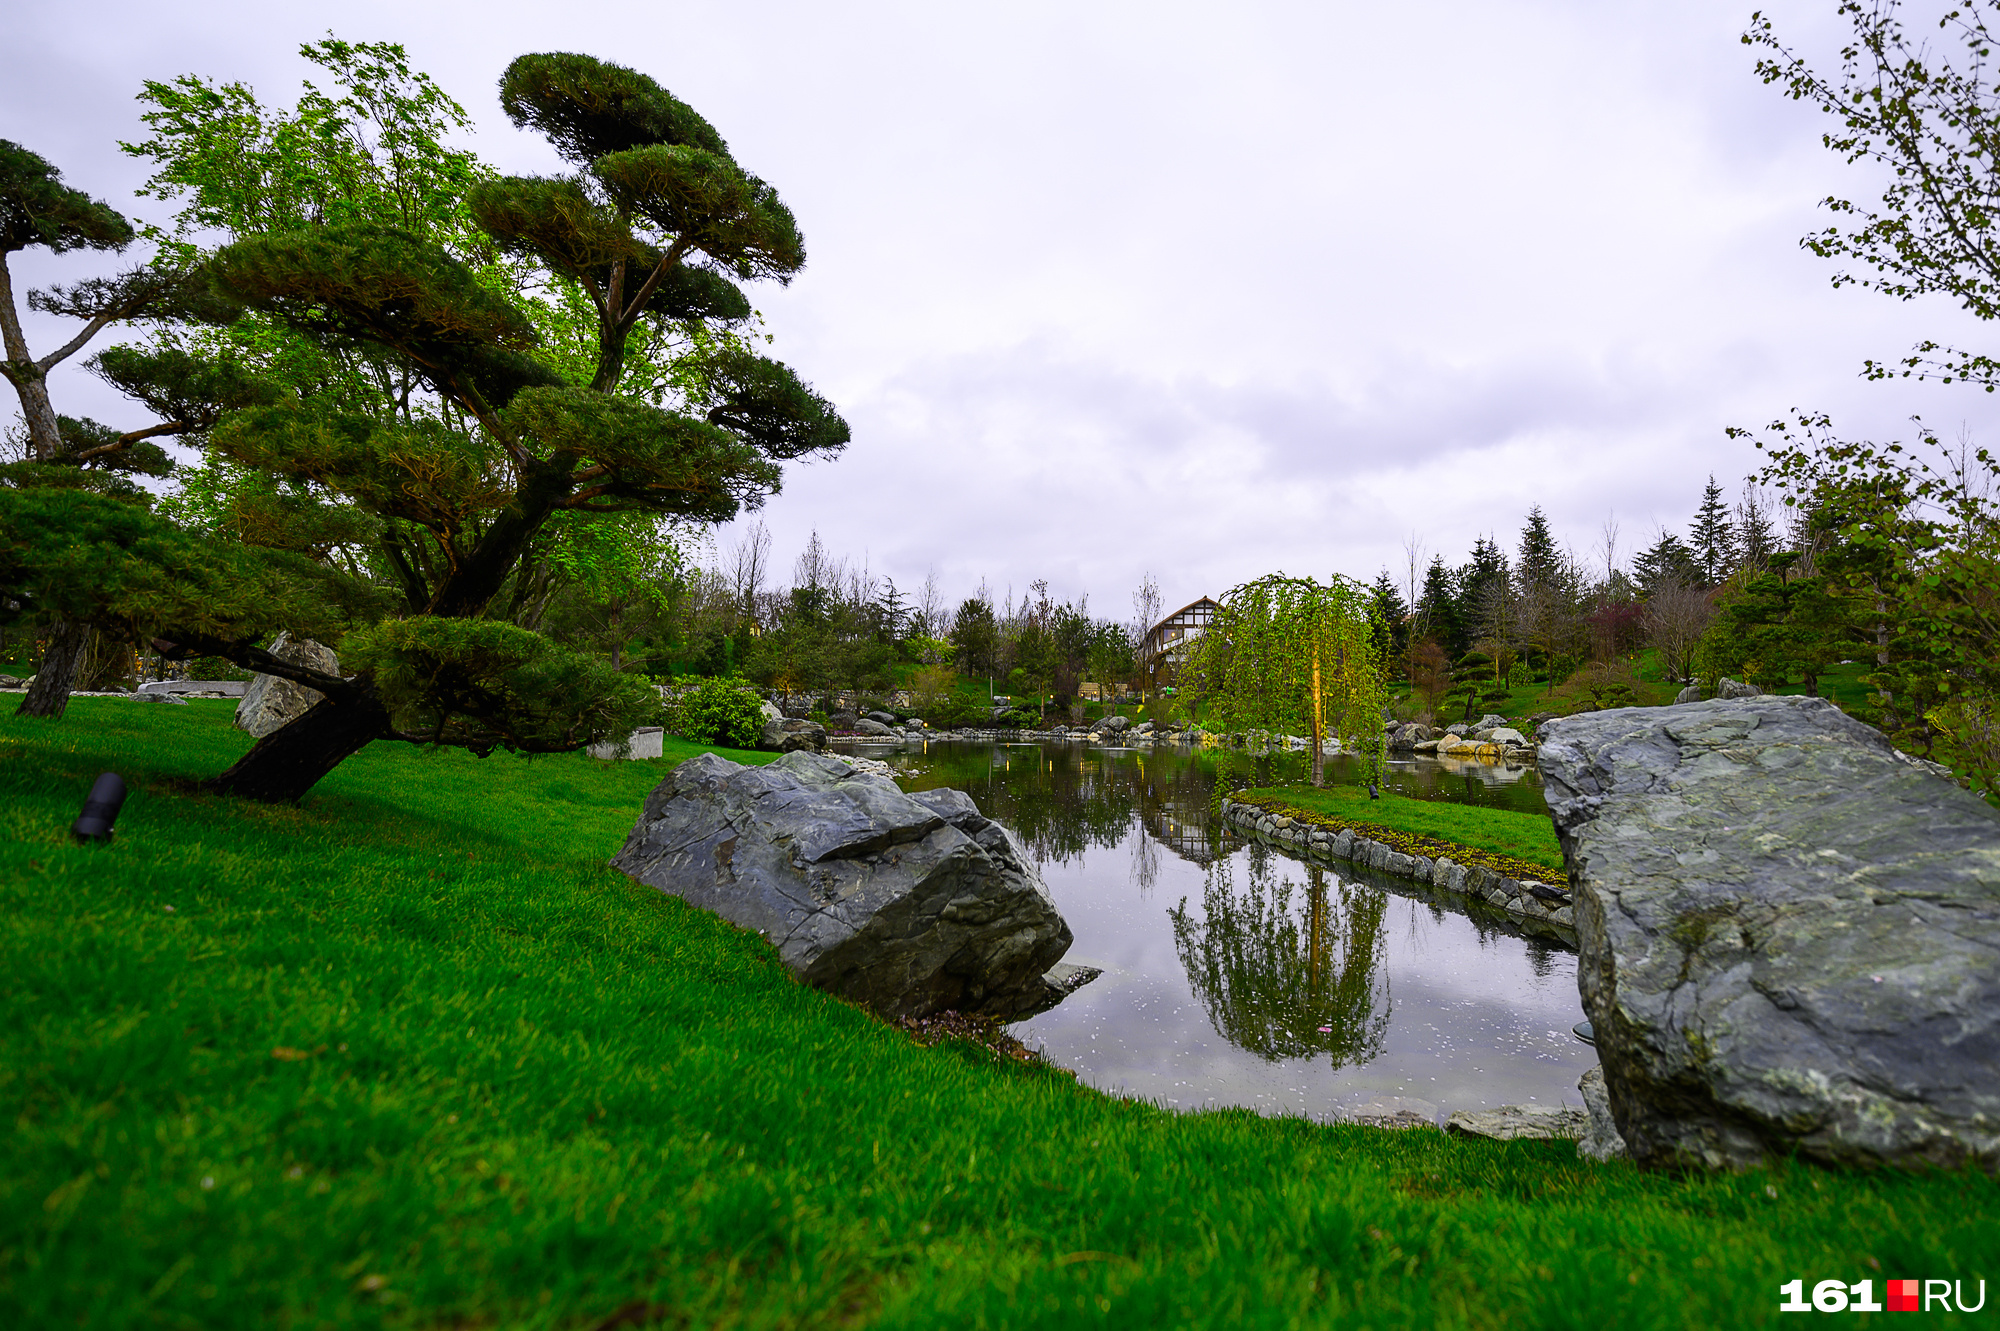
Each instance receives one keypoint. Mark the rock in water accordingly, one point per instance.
(1789, 935)
(270, 703)
(910, 904)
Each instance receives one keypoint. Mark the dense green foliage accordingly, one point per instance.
(1294, 656)
(718, 710)
(441, 464)
(411, 1055)
(1904, 564)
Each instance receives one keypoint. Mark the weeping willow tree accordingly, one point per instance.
(1295, 656)
(1285, 977)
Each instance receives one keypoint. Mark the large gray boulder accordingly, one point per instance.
(783, 734)
(270, 703)
(907, 903)
(870, 726)
(1789, 935)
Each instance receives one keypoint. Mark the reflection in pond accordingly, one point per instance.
(1223, 959)
(1284, 982)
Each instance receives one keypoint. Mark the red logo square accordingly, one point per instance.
(1903, 1296)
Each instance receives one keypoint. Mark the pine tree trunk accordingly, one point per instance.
(48, 696)
(44, 434)
(281, 767)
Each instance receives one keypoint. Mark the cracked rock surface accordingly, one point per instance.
(908, 903)
(1789, 936)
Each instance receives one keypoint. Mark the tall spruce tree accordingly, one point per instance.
(653, 222)
(1539, 565)
(1666, 563)
(1712, 538)
(1392, 630)
(1439, 616)
(1486, 593)
(1756, 533)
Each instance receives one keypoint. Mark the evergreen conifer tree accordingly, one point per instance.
(185, 392)
(1539, 564)
(1667, 562)
(1392, 617)
(1756, 534)
(1439, 617)
(655, 221)
(1486, 593)
(1711, 537)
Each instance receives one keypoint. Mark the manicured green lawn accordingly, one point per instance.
(410, 1055)
(1530, 837)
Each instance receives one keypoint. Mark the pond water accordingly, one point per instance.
(1234, 975)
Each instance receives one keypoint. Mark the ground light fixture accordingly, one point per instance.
(1585, 1032)
(100, 811)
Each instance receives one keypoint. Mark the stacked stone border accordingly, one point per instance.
(1470, 883)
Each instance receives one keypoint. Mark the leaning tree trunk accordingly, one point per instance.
(285, 764)
(48, 696)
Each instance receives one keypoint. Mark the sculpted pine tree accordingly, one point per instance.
(652, 224)
(187, 394)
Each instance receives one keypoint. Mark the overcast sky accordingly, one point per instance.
(1208, 291)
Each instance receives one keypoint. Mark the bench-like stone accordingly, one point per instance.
(645, 742)
(232, 688)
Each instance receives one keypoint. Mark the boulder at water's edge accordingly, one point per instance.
(1789, 935)
(785, 733)
(907, 903)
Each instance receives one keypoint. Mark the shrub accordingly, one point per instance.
(1599, 686)
(719, 710)
(957, 710)
(214, 667)
(931, 688)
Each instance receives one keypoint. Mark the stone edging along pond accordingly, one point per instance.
(1510, 896)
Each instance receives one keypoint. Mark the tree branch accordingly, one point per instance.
(630, 314)
(129, 438)
(252, 657)
(123, 309)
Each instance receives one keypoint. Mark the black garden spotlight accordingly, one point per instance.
(107, 796)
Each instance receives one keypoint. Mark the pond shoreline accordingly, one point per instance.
(1462, 884)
